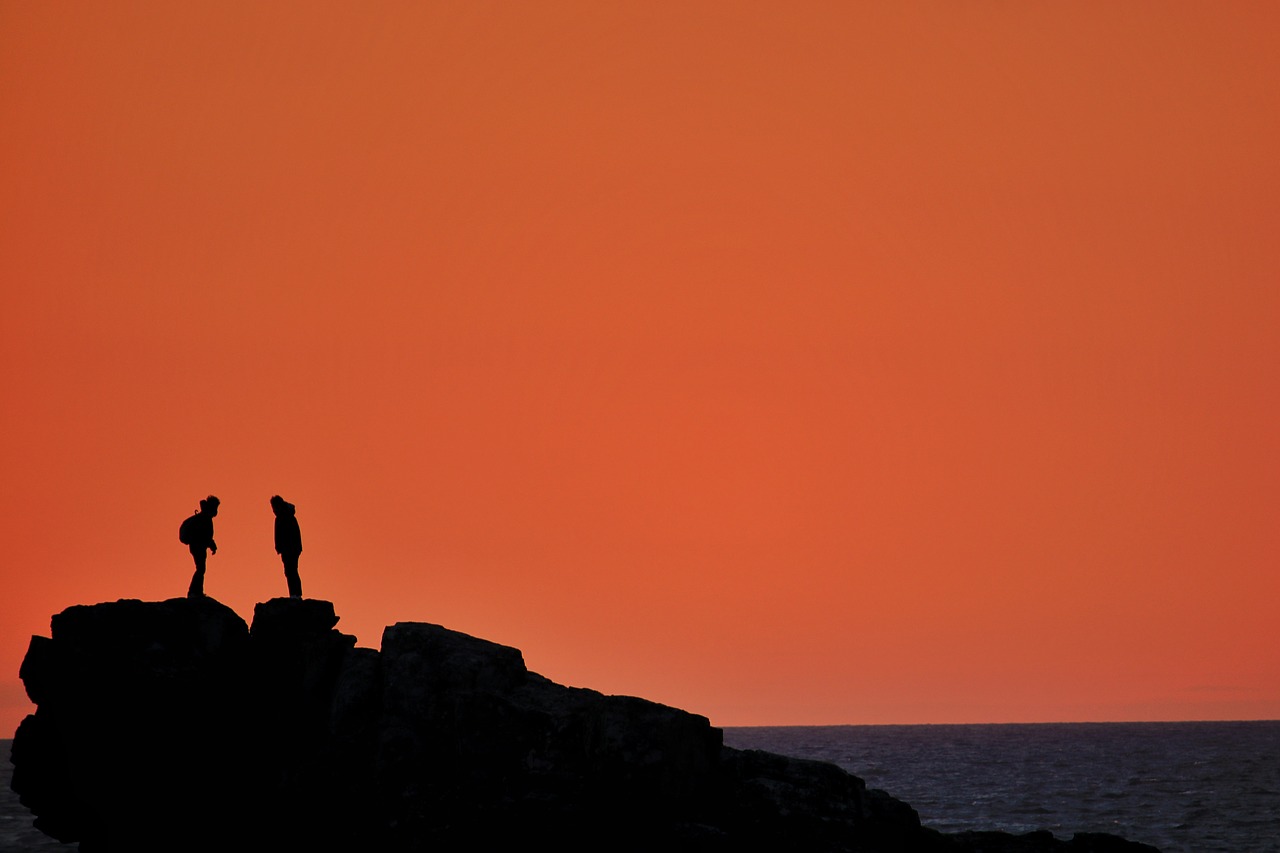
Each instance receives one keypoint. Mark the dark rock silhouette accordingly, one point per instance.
(173, 725)
(196, 532)
(288, 542)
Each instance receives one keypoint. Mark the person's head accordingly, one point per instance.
(209, 506)
(280, 505)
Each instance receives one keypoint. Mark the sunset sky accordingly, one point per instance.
(789, 363)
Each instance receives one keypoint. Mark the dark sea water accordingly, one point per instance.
(1182, 787)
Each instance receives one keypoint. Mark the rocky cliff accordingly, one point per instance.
(173, 725)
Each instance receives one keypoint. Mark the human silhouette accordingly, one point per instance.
(288, 542)
(197, 534)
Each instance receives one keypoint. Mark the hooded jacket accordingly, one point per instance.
(288, 536)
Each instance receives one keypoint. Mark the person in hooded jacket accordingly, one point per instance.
(288, 542)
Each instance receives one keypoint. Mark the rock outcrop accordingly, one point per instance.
(173, 725)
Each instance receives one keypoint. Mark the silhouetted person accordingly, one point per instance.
(197, 534)
(288, 543)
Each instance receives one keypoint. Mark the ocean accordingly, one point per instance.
(1182, 787)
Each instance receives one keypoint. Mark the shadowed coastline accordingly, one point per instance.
(174, 725)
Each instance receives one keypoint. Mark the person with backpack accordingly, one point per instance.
(288, 542)
(197, 534)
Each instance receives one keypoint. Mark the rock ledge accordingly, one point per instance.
(173, 725)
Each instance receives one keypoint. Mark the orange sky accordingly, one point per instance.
(787, 363)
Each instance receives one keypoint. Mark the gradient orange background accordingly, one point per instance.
(788, 363)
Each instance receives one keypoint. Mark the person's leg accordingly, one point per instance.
(291, 575)
(196, 589)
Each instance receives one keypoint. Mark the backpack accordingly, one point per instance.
(187, 530)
